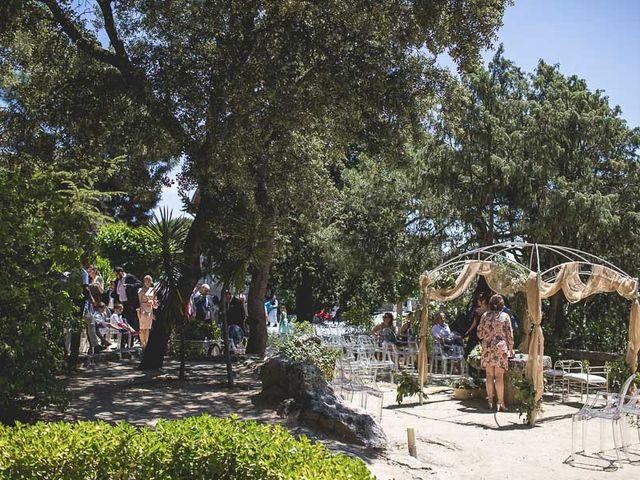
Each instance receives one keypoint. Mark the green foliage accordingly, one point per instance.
(358, 316)
(310, 349)
(407, 387)
(474, 357)
(466, 383)
(193, 448)
(132, 248)
(619, 371)
(525, 392)
(40, 240)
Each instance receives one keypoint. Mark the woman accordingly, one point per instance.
(148, 301)
(497, 346)
(385, 331)
(472, 333)
(96, 287)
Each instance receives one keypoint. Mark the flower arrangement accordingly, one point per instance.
(465, 383)
(473, 359)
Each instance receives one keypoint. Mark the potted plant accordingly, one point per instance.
(480, 390)
(463, 388)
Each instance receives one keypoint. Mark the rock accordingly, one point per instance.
(300, 389)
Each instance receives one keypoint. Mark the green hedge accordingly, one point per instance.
(201, 447)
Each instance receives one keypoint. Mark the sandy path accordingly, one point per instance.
(456, 440)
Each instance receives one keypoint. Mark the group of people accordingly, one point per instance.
(206, 309)
(491, 323)
(127, 306)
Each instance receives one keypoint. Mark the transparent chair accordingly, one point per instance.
(609, 409)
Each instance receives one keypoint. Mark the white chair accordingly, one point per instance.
(606, 408)
(589, 378)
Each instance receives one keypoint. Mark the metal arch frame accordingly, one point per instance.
(507, 251)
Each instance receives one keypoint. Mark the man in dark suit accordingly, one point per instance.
(126, 292)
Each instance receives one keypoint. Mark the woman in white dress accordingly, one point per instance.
(148, 301)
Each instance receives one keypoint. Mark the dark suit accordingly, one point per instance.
(131, 285)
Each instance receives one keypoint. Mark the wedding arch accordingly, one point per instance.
(514, 267)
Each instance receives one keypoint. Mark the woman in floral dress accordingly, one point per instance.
(497, 346)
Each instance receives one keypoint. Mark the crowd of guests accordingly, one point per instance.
(126, 307)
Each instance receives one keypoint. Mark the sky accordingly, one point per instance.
(598, 40)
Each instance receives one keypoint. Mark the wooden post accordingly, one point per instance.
(411, 441)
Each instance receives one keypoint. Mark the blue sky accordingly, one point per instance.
(598, 40)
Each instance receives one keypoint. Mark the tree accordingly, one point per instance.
(258, 97)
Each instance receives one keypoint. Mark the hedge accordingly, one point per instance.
(200, 447)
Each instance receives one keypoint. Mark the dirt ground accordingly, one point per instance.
(455, 439)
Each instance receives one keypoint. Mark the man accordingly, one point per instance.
(126, 293)
(236, 318)
(202, 305)
(443, 334)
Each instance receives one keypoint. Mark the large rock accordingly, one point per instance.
(302, 393)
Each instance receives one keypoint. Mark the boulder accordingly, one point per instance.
(300, 390)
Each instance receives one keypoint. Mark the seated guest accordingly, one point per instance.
(118, 322)
(442, 333)
(385, 331)
(406, 333)
(101, 320)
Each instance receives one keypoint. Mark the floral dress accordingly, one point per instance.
(497, 339)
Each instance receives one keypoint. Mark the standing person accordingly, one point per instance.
(202, 305)
(472, 332)
(148, 302)
(236, 318)
(270, 306)
(497, 346)
(96, 287)
(126, 293)
(283, 321)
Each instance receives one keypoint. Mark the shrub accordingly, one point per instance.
(358, 316)
(309, 349)
(192, 448)
(131, 248)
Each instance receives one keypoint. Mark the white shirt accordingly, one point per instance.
(441, 331)
(122, 290)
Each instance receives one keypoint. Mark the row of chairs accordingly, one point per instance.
(569, 376)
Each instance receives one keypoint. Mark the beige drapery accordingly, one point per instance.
(601, 279)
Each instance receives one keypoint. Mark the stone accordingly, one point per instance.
(300, 389)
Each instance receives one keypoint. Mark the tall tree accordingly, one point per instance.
(261, 95)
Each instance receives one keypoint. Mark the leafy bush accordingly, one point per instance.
(358, 316)
(619, 371)
(134, 249)
(42, 238)
(310, 349)
(526, 393)
(192, 448)
(407, 387)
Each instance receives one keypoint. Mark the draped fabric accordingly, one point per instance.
(601, 279)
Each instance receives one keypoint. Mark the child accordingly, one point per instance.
(101, 320)
(283, 321)
(119, 322)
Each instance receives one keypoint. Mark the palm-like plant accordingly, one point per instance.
(170, 233)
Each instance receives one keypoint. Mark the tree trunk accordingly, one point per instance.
(556, 314)
(257, 343)
(304, 296)
(224, 311)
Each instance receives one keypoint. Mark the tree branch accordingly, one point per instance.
(89, 46)
(110, 27)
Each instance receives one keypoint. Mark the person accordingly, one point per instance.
(269, 306)
(283, 321)
(442, 333)
(497, 346)
(101, 320)
(126, 294)
(148, 302)
(202, 304)
(472, 333)
(385, 331)
(119, 322)
(405, 333)
(322, 316)
(109, 295)
(236, 318)
(96, 287)
(273, 312)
